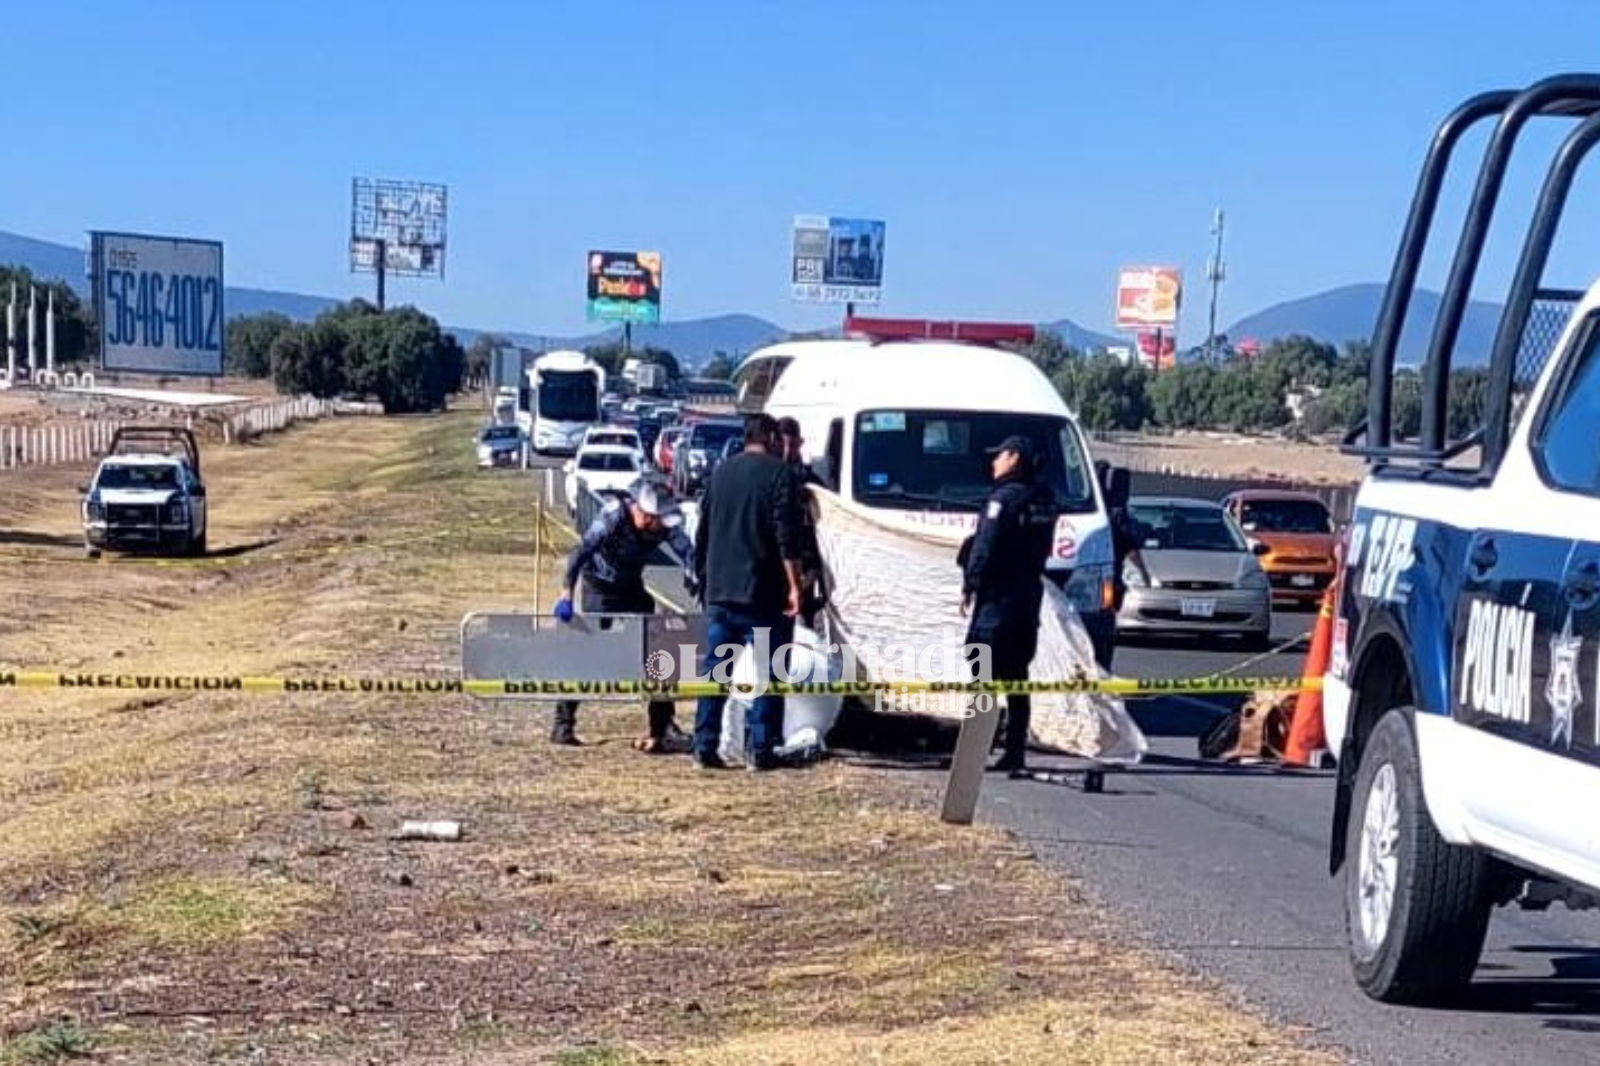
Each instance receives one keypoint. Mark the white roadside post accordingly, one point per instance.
(11, 337)
(971, 761)
(33, 333)
(50, 335)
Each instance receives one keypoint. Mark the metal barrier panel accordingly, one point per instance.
(524, 646)
(665, 638)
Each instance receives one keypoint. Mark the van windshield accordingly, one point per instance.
(936, 460)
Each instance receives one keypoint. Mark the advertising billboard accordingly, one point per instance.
(409, 217)
(837, 260)
(1148, 297)
(625, 287)
(158, 302)
(1158, 350)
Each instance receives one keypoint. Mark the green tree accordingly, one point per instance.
(403, 360)
(1468, 391)
(1337, 409)
(719, 366)
(1406, 406)
(310, 359)
(1184, 396)
(1048, 351)
(1105, 392)
(249, 343)
(75, 328)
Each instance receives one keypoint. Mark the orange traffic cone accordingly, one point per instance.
(1306, 735)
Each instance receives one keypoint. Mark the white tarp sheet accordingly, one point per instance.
(889, 586)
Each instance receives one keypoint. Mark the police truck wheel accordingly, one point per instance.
(1416, 908)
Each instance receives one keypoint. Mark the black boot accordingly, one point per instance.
(563, 730)
(1019, 716)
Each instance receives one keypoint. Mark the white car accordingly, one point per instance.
(601, 468)
(614, 436)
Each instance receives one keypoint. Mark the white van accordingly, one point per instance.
(902, 427)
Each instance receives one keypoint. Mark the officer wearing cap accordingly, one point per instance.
(1002, 579)
(618, 545)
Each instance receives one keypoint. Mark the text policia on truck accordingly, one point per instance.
(1463, 693)
(900, 428)
(560, 399)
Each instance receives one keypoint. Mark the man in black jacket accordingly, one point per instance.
(747, 555)
(617, 546)
(812, 582)
(1002, 580)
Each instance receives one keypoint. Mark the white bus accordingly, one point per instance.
(560, 400)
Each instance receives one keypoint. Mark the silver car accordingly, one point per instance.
(1191, 571)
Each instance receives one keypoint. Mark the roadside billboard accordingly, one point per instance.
(158, 302)
(837, 260)
(1148, 297)
(625, 287)
(1153, 342)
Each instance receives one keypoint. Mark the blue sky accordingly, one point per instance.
(1019, 151)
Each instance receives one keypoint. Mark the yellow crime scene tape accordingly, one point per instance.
(443, 686)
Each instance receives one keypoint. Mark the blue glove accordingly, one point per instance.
(563, 609)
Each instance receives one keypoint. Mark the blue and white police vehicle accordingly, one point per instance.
(1463, 692)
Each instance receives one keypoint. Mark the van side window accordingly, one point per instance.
(756, 381)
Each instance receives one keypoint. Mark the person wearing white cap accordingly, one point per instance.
(618, 545)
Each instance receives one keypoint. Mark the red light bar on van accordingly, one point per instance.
(922, 329)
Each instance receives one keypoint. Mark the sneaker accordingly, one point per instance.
(708, 762)
(761, 764)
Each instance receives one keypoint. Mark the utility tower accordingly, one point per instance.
(1216, 273)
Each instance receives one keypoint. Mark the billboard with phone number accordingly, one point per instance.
(625, 287)
(838, 260)
(158, 301)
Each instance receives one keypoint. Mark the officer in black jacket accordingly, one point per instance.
(618, 545)
(1003, 567)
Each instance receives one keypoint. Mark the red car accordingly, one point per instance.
(664, 445)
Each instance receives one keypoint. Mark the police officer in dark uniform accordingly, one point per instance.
(1003, 567)
(611, 559)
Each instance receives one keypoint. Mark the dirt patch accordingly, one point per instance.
(1221, 455)
(205, 877)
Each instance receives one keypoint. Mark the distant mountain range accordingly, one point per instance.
(1335, 316)
(1350, 313)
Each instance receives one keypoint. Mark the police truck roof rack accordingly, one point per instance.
(879, 330)
(1532, 317)
(156, 440)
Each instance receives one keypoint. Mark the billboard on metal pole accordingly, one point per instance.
(1149, 297)
(1157, 349)
(408, 217)
(837, 260)
(624, 287)
(158, 302)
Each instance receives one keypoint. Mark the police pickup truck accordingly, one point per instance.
(147, 494)
(1463, 692)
